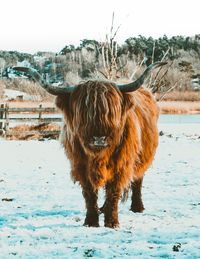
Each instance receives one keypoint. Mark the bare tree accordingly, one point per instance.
(109, 50)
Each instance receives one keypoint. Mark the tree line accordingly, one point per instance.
(116, 62)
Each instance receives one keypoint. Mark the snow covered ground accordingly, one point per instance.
(10, 94)
(42, 211)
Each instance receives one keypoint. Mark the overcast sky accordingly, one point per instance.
(49, 25)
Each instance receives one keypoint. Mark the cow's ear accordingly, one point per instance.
(128, 101)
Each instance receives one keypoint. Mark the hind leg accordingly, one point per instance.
(137, 204)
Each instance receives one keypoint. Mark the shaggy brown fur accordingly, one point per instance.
(128, 121)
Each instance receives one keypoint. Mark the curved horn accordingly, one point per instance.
(54, 90)
(133, 86)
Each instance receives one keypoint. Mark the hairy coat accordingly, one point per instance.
(110, 137)
(128, 121)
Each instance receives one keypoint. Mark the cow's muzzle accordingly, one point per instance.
(98, 142)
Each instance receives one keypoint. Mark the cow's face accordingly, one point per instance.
(95, 112)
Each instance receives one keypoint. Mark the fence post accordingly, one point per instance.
(40, 112)
(6, 126)
(1, 117)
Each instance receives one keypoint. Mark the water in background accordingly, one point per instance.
(179, 125)
(179, 119)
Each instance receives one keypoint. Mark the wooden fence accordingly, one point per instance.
(36, 115)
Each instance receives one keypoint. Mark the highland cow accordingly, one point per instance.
(110, 137)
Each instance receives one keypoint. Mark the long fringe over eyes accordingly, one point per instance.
(98, 104)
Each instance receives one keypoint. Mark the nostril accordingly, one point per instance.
(99, 141)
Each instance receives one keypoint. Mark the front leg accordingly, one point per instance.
(92, 214)
(137, 204)
(110, 208)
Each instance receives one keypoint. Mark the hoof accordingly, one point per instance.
(94, 225)
(89, 222)
(111, 224)
(137, 209)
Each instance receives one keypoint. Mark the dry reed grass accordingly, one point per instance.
(174, 107)
(188, 96)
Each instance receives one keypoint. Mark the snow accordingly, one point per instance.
(10, 94)
(45, 217)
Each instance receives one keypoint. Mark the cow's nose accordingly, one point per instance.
(99, 141)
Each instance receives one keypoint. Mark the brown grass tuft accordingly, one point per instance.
(26, 132)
